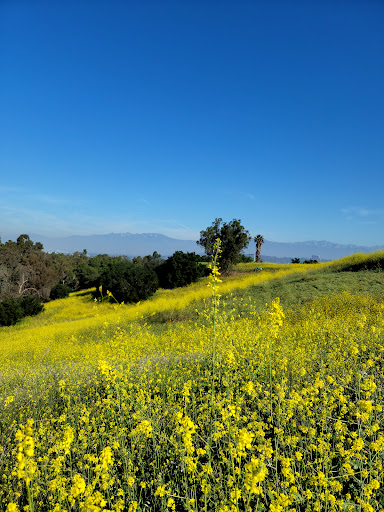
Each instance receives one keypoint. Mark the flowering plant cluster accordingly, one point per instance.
(280, 411)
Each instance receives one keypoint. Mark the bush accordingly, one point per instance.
(10, 312)
(244, 259)
(60, 291)
(13, 310)
(180, 269)
(128, 282)
(31, 305)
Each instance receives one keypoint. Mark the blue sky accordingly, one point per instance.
(159, 116)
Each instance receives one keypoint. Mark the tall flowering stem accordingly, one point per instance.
(214, 280)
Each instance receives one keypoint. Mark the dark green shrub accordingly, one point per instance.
(128, 282)
(3, 315)
(31, 305)
(180, 269)
(87, 274)
(244, 259)
(89, 270)
(60, 291)
(13, 310)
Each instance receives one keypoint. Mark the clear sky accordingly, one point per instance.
(159, 116)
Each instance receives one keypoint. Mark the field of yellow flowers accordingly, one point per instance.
(278, 410)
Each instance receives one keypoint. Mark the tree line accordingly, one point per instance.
(29, 276)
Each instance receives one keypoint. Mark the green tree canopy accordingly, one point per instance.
(234, 238)
(128, 282)
(180, 269)
(25, 269)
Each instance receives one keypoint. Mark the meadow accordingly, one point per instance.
(254, 392)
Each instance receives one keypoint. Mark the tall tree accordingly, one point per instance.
(259, 242)
(234, 238)
(26, 269)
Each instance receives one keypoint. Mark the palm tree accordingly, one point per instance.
(259, 242)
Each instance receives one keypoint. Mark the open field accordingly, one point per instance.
(263, 392)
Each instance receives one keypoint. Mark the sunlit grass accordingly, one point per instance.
(80, 318)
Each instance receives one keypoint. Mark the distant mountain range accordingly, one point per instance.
(114, 244)
(131, 245)
(312, 249)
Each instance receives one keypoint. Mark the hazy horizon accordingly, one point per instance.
(5, 236)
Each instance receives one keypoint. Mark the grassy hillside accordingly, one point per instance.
(219, 398)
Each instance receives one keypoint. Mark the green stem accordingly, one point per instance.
(30, 498)
(214, 269)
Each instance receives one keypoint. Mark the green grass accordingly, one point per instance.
(296, 290)
(293, 290)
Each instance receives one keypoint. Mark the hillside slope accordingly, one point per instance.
(239, 406)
